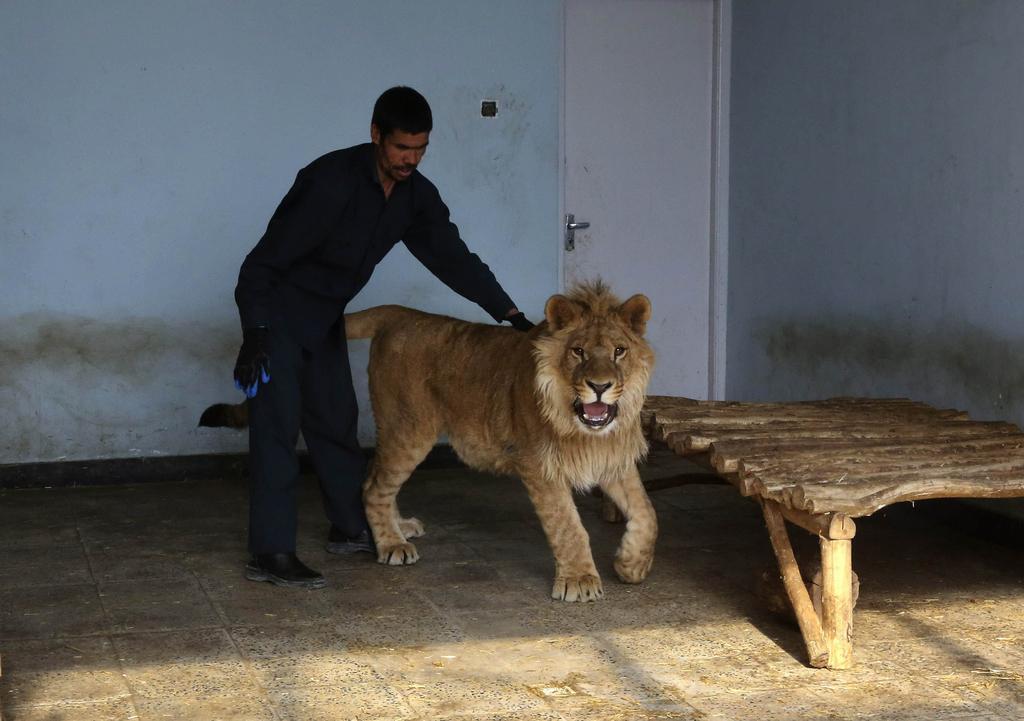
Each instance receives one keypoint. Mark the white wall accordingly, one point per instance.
(877, 214)
(144, 146)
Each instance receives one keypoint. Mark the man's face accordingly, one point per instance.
(399, 153)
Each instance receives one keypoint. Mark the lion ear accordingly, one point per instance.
(560, 312)
(636, 312)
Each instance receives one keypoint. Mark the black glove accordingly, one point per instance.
(519, 322)
(253, 364)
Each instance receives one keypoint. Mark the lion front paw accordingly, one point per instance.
(577, 588)
(398, 554)
(411, 527)
(634, 568)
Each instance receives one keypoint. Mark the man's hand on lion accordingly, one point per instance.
(518, 320)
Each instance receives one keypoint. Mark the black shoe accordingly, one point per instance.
(283, 569)
(338, 542)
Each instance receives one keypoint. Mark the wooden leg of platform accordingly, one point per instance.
(807, 619)
(837, 601)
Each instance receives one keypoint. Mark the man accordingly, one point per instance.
(343, 214)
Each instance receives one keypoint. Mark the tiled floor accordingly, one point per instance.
(128, 602)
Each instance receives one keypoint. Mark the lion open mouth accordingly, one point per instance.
(595, 415)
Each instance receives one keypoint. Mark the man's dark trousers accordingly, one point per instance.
(309, 391)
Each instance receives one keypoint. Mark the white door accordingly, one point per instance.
(641, 89)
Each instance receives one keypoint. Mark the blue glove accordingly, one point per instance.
(253, 364)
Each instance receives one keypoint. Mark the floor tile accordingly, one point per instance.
(51, 611)
(48, 671)
(370, 702)
(120, 709)
(43, 566)
(206, 707)
(157, 605)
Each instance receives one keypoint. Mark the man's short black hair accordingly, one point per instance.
(402, 108)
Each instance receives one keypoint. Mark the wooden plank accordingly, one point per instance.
(653, 404)
(655, 401)
(700, 439)
(858, 495)
(725, 455)
(870, 497)
(724, 423)
(810, 413)
(852, 478)
(835, 526)
(795, 471)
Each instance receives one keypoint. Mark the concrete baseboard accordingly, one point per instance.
(112, 471)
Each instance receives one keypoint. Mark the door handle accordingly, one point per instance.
(571, 226)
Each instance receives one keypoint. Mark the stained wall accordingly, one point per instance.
(877, 216)
(144, 146)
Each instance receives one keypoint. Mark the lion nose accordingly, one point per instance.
(599, 389)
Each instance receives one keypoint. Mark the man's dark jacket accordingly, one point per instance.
(331, 230)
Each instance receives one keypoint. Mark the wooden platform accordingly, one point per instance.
(820, 464)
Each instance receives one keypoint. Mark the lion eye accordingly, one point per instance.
(578, 352)
(619, 351)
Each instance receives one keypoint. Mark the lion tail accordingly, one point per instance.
(363, 324)
(226, 415)
(367, 323)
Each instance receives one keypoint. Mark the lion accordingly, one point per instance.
(558, 406)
